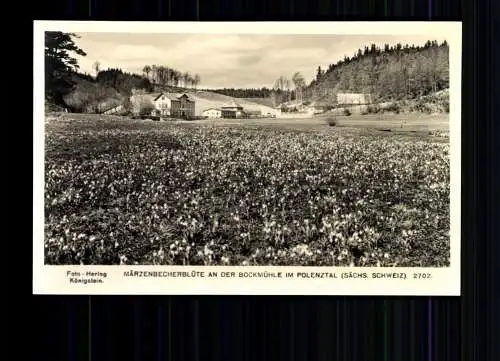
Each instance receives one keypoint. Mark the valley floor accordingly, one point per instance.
(247, 192)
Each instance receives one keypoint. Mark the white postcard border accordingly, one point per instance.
(48, 279)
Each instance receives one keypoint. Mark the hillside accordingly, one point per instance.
(247, 93)
(84, 93)
(207, 99)
(267, 101)
(87, 95)
(391, 74)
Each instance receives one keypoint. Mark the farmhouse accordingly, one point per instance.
(232, 110)
(212, 113)
(174, 105)
(164, 104)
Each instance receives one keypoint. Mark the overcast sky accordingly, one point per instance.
(225, 60)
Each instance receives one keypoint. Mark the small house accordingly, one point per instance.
(232, 110)
(212, 113)
(356, 103)
(353, 99)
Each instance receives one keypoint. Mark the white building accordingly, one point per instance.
(232, 110)
(353, 99)
(164, 104)
(212, 113)
(176, 105)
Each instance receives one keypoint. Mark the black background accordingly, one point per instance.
(305, 328)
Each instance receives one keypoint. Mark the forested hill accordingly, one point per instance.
(109, 88)
(393, 73)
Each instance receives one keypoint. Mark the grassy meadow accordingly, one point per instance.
(370, 191)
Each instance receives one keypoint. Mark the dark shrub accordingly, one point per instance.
(331, 121)
(146, 109)
(346, 112)
(393, 107)
(446, 105)
(373, 108)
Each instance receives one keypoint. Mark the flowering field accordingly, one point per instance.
(157, 193)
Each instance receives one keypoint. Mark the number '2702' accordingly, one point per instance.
(422, 275)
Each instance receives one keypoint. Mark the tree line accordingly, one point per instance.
(122, 81)
(287, 89)
(394, 72)
(166, 76)
(67, 87)
(244, 92)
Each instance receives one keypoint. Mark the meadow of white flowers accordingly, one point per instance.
(157, 193)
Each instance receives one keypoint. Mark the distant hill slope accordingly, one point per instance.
(206, 99)
(84, 93)
(390, 74)
(268, 102)
(90, 96)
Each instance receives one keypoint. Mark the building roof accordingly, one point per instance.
(212, 109)
(291, 103)
(112, 107)
(351, 94)
(353, 98)
(232, 104)
(172, 96)
(154, 96)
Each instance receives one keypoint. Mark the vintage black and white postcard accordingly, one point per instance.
(247, 158)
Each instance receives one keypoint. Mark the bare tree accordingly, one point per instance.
(168, 75)
(280, 85)
(154, 73)
(162, 74)
(97, 67)
(196, 80)
(287, 84)
(177, 76)
(146, 70)
(185, 79)
(299, 83)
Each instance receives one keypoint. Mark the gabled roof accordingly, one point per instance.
(232, 104)
(212, 109)
(177, 96)
(111, 108)
(172, 96)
